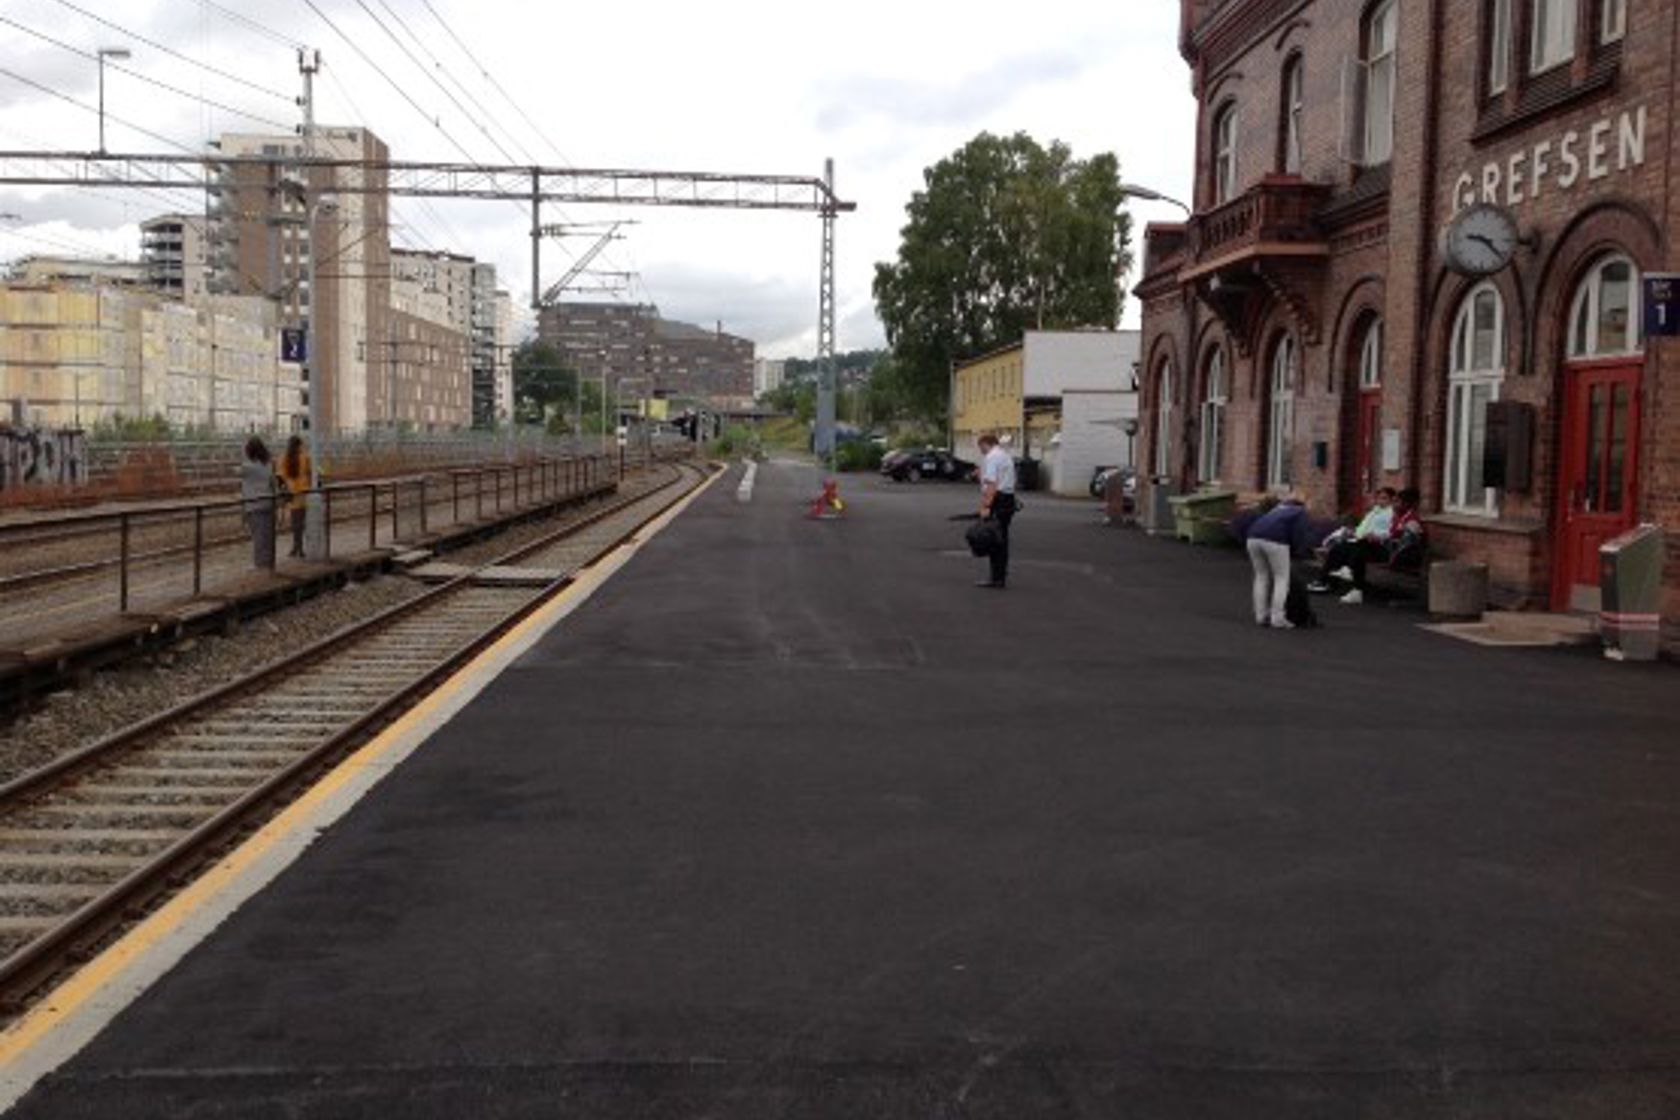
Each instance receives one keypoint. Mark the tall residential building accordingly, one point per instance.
(768, 375)
(503, 374)
(421, 368)
(261, 240)
(633, 344)
(484, 342)
(172, 248)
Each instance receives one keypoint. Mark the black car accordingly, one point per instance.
(913, 466)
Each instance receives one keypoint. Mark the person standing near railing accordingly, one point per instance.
(256, 490)
(295, 473)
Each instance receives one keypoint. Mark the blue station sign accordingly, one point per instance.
(1662, 304)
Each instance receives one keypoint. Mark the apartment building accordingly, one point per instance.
(1416, 258)
(633, 343)
(173, 252)
(74, 354)
(261, 239)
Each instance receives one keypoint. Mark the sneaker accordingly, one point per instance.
(1342, 573)
(1318, 587)
(1353, 598)
(1284, 624)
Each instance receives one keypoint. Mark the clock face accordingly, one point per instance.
(1481, 240)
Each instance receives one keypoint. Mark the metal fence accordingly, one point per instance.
(57, 571)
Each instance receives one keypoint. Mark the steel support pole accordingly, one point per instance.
(824, 435)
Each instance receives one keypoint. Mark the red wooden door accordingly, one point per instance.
(1366, 451)
(1598, 466)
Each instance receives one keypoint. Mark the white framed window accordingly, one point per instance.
(1381, 36)
(1604, 320)
(1552, 37)
(1612, 21)
(1163, 420)
(1215, 395)
(1477, 370)
(1293, 107)
(1225, 155)
(1499, 47)
(1280, 430)
(1370, 356)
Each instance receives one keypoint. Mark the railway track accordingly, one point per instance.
(89, 841)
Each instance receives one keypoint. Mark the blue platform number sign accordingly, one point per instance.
(291, 345)
(1662, 304)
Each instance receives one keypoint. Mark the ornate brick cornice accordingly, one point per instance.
(1231, 29)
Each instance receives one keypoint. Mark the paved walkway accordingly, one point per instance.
(791, 820)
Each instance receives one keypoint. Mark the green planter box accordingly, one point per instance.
(1200, 518)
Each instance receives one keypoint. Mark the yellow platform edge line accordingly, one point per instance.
(79, 990)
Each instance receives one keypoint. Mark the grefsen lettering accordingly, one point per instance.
(1611, 144)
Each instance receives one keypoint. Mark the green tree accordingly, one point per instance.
(544, 386)
(1006, 236)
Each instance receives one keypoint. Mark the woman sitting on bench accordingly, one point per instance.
(1389, 532)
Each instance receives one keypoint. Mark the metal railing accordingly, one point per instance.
(55, 572)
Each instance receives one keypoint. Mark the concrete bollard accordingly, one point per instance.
(743, 492)
(1457, 589)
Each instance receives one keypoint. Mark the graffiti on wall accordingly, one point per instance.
(37, 457)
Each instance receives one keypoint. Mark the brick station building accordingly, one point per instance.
(1302, 328)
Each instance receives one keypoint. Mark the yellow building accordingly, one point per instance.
(988, 395)
(74, 354)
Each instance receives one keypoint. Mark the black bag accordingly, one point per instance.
(984, 537)
(1297, 608)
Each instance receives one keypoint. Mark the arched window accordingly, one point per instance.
(1280, 438)
(1477, 368)
(1382, 27)
(1225, 154)
(1163, 419)
(1604, 321)
(1215, 393)
(1293, 106)
(1371, 356)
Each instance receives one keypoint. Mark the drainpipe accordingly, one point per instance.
(1426, 241)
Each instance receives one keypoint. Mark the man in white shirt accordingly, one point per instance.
(997, 504)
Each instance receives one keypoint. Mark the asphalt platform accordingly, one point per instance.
(791, 820)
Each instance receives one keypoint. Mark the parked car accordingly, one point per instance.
(932, 462)
(1122, 480)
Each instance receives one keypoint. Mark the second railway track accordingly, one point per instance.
(93, 838)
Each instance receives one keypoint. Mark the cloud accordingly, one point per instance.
(915, 103)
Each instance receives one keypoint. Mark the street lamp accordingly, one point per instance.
(1147, 194)
(314, 535)
(104, 53)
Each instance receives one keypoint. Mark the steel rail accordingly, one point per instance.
(46, 954)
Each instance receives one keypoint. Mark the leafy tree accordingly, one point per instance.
(544, 386)
(1006, 236)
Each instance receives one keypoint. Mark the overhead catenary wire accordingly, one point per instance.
(178, 91)
(488, 119)
(418, 65)
(165, 49)
(286, 41)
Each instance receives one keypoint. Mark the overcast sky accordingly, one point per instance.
(885, 89)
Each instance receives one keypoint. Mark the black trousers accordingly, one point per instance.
(1353, 555)
(1003, 512)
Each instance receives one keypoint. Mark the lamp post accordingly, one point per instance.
(314, 536)
(103, 54)
(1148, 194)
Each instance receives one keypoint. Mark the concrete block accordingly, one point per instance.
(1457, 589)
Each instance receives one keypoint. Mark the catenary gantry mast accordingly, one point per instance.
(532, 185)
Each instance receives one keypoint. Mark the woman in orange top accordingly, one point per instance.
(294, 472)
